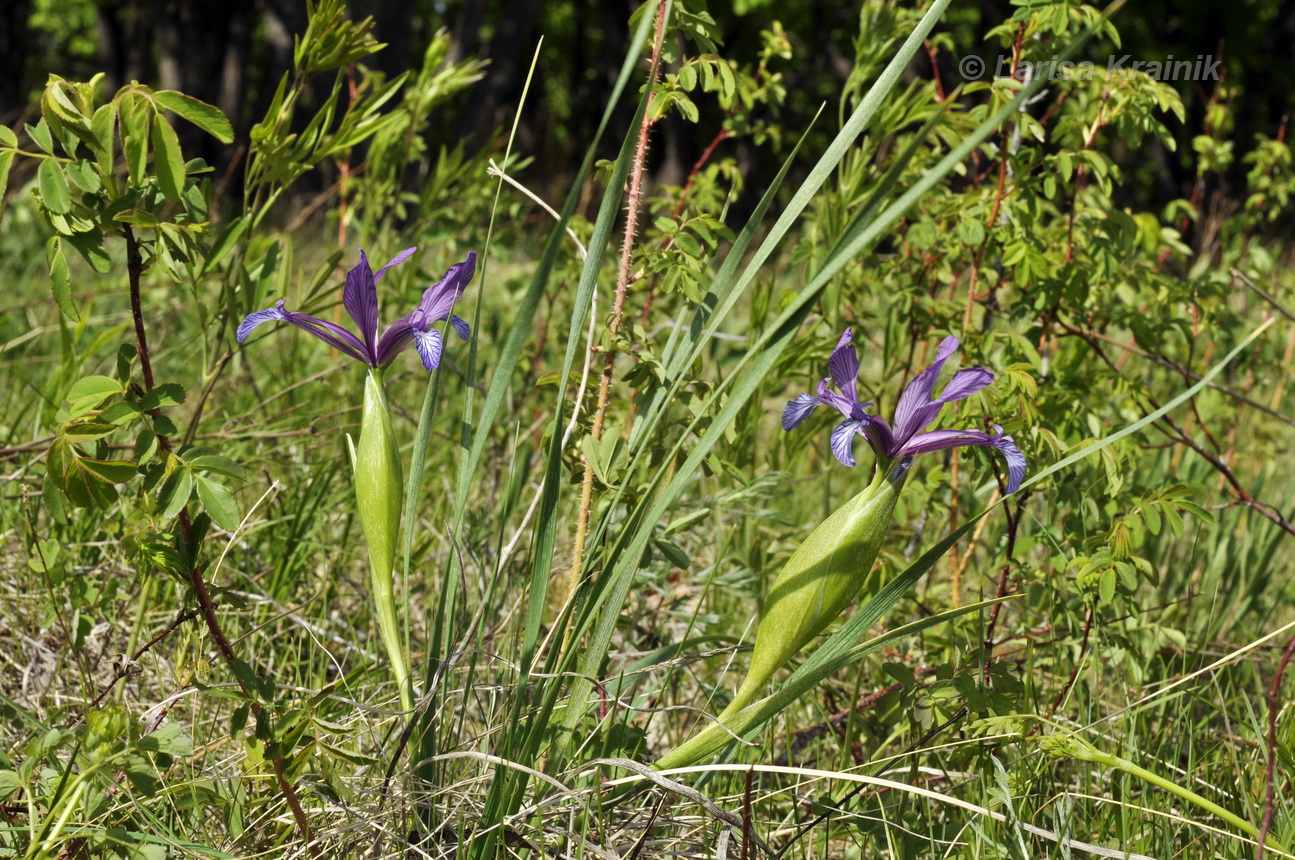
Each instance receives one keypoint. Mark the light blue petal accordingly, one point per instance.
(428, 344)
(798, 410)
(843, 441)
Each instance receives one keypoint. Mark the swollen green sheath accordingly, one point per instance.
(826, 572)
(378, 497)
(820, 579)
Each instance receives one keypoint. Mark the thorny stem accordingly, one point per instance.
(998, 200)
(613, 325)
(135, 271)
(1270, 773)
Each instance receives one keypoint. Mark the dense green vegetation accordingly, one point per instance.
(591, 498)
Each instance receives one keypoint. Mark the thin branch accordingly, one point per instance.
(1271, 770)
(135, 271)
(124, 668)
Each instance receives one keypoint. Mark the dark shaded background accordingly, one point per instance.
(232, 54)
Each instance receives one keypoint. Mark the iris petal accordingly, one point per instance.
(428, 343)
(1015, 461)
(844, 366)
(913, 413)
(439, 299)
(843, 441)
(965, 383)
(461, 326)
(396, 261)
(798, 410)
(360, 298)
(255, 319)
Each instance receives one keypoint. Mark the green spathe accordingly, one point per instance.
(378, 497)
(820, 579)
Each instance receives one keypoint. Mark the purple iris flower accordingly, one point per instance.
(360, 298)
(916, 410)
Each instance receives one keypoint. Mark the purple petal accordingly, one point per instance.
(965, 383)
(843, 441)
(255, 319)
(395, 261)
(938, 440)
(844, 366)
(428, 344)
(840, 402)
(1015, 460)
(330, 333)
(880, 437)
(913, 413)
(398, 336)
(440, 298)
(360, 298)
(461, 326)
(798, 410)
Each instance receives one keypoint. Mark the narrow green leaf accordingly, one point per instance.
(59, 279)
(206, 117)
(54, 192)
(169, 161)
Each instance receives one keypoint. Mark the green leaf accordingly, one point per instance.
(1106, 586)
(88, 431)
(60, 282)
(175, 492)
(101, 127)
(9, 783)
(169, 160)
(6, 162)
(674, 554)
(39, 133)
(96, 388)
(219, 502)
(85, 488)
(112, 471)
(169, 739)
(137, 217)
(90, 247)
(53, 186)
(164, 395)
(211, 462)
(204, 116)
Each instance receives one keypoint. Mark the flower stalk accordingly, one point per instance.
(1073, 746)
(379, 478)
(379, 491)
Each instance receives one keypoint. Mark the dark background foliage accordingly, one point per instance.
(232, 54)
